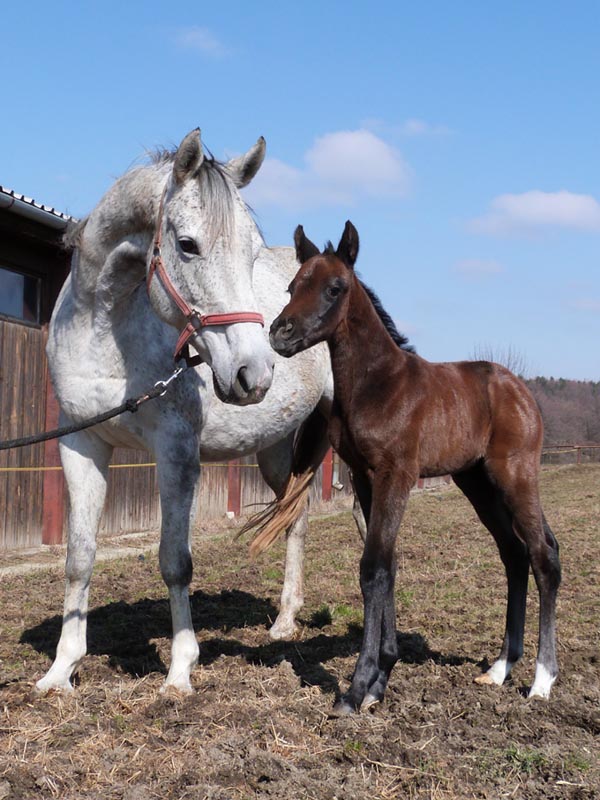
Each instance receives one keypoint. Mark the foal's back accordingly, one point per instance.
(447, 416)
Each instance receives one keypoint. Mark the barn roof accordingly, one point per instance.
(28, 207)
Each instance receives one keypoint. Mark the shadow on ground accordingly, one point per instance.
(126, 633)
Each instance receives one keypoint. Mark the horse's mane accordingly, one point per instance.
(216, 188)
(212, 174)
(399, 338)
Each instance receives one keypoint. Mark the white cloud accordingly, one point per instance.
(529, 211)
(478, 268)
(340, 168)
(586, 305)
(202, 40)
(419, 127)
(410, 127)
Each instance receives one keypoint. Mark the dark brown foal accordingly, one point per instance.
(396, 417)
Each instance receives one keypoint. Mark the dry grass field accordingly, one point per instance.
(258, 724)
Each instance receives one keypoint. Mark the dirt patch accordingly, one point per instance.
(258, 724)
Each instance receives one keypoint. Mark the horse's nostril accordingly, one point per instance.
(287, 329)
(243, 379)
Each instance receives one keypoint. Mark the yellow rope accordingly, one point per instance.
(116, 466)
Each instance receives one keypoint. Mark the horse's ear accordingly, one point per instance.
(347, 250)
(305, 249)
(189, 156)
(243, 168)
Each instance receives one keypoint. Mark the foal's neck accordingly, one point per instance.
(362, 351)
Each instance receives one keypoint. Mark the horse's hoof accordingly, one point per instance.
(43, 687)
(283, 633)
(175, 689)
(370, 700)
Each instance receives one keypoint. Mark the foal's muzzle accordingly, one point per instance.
(283, 336)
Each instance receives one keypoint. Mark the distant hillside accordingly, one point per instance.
(570, 410)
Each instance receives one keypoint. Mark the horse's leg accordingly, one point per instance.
(275, 464)
(85, 460)
(178, 466)
(379, 649)
(491, 509)
(518, 480)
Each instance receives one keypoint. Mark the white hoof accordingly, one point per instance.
(542, 683)
(181, 685)
(46, 684)
(496, 674)
(282, 630)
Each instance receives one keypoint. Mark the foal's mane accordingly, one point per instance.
(398, 338)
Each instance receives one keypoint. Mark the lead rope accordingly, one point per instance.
(159, 389)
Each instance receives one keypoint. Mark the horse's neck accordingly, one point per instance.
(111, 260)
(362, 352)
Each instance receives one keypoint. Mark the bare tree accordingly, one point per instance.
(509, 357)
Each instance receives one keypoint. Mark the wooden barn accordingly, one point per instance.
(33, 267)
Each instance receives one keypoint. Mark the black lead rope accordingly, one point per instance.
(131, 405)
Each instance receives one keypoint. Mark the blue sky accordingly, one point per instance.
(462, 139)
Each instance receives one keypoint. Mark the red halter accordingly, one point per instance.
(195, 320)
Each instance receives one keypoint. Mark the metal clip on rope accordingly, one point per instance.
(165, 384)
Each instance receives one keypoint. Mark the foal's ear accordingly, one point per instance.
(305, 249)
(348, 247)
(189, 156)
(243, 168)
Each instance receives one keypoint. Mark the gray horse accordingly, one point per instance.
(171, 237)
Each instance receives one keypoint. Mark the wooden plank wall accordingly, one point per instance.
(22, 412)
(132, 503)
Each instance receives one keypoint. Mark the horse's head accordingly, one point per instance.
(203, 256)
(319, 293)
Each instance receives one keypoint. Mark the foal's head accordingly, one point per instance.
(319, 293)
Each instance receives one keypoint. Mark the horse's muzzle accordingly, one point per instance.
(248, 388)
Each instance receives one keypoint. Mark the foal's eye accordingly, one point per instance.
(189, 246)
(333, 291)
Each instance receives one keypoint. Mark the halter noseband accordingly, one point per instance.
(195, 320)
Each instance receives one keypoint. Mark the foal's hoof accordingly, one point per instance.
(484, 680)
(342, 708)
(369, 701)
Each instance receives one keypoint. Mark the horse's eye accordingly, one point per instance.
(333, 291)
(189, 246)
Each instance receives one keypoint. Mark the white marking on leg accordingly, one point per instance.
(184, 650)
(85, 462)
(542, 683)
(72, 644)
(292, 594)
(496, 674)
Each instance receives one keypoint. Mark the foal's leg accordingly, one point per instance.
(178, 465)
(518, 481)
(85, 460)
(492, 511)
(275, 464)
(379, 649)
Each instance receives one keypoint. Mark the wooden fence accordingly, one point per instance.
(571, 454)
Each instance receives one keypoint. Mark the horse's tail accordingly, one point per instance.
(310, 447)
